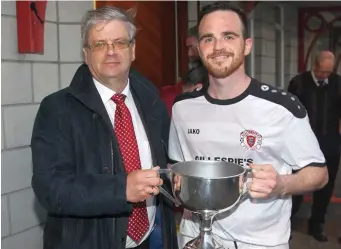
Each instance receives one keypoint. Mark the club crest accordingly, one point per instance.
(251, 140)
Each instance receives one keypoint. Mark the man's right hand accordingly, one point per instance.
(143, 183)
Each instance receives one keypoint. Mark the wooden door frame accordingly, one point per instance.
(182, 23)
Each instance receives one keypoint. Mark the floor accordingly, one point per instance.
(301, 240)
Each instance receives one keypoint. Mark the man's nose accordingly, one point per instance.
(111, 49)
(218, 44)
(190, 52)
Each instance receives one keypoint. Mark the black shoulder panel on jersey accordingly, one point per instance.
(278, 96)
(188, 95)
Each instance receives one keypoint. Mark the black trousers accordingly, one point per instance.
(321, 198)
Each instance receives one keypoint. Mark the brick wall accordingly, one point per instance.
(26, 79)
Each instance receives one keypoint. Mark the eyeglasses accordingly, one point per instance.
(116, 45)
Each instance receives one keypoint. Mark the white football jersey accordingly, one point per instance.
(264, 125)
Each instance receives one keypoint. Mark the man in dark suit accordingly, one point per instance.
(320, 92)
(95, 145)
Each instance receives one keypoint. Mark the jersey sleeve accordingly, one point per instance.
(174, 146)
(301, 147)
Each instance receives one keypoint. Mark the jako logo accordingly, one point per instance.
(193, 131)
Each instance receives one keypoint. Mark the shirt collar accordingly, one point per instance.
(106, 93)
(316, 80)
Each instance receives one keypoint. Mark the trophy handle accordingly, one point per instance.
(169, 196)
(165, 171)
(245, 191)
(163, 191)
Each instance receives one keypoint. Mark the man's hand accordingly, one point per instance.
(177, 182)
(187, 214)
(266, 182)
(141, 184)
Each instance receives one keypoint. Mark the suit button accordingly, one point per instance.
(123, 239)
(106, 170)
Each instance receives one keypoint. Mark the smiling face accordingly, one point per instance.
(221, 43)
(110, 51)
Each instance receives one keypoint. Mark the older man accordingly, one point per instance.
(319, 90)
(95, 145)
(192, 46)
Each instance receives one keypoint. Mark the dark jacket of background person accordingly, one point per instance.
(323, 104)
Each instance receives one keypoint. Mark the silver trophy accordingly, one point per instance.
(206, 188)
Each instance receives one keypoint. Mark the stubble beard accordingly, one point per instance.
(218, 71)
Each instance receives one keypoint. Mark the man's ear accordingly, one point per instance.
(133, 50)
(248, 46)
(85, 56)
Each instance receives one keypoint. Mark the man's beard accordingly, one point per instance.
(215, 69)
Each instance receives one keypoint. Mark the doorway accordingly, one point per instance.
(156, 38)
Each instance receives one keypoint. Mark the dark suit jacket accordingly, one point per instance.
(78, 174)
(323, 105)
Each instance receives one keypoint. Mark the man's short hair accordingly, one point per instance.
(193, 32)
(230, 6)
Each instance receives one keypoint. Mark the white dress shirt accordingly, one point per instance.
(142, 142)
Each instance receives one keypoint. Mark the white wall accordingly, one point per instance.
(265, 43)
(26, 79)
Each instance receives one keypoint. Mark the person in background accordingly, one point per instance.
(196, 79)
(192, 46)
(319, 90)
(95, 145)
(239, 119)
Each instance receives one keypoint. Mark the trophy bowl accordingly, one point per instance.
(205, 188)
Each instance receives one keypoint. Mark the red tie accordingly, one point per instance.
(124, 129)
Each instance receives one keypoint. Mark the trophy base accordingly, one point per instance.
(205, 240)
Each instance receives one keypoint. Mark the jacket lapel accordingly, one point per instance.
(144, 104)
(84, 89)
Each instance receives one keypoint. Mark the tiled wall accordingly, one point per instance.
(26, 79)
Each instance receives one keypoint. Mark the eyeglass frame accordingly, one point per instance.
(113, 45)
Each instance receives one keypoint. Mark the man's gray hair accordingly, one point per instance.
(106, 14)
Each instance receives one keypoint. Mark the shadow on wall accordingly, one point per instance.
(40, 212)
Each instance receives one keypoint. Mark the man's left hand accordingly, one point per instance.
(266, 182)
